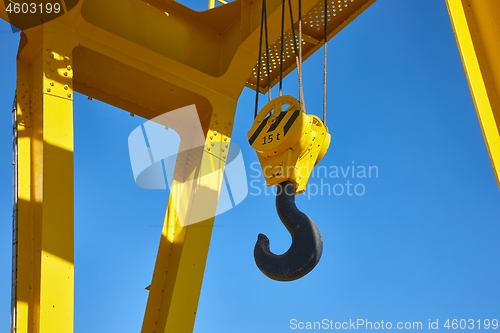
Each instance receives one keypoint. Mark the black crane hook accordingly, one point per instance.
(307, 244)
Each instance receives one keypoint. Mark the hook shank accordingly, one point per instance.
(307, 244)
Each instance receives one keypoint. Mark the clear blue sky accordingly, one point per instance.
(421, 243)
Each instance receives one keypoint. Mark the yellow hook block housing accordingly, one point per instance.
(289, 142)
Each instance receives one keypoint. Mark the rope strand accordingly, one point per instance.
(296, 51)
(299, 65)
(325, 54)
(268, 70)
(257, 85)
(281, 45)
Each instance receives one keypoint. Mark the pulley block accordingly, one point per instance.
(289, 142)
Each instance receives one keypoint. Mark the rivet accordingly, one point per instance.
(48, 89)
(66, 87)
(51, 84)
(215, 133)
(65, 73)
(222, 150)
(211, 137)
(224, 157)
(47, 75)
(69, 95)
(212, 144)
(69, 67)
(225, 139)
(208, 148)
(48, 49)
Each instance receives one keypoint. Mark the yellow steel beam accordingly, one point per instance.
(477, 26)
(180, 264)
(44, 277)
(24, 231)
(211, 3)
(339, 15)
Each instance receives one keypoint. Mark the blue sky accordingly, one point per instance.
(420, 243)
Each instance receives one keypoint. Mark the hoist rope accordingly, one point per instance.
(296, 50)
(299, 62)
(298, 54)
(282, 42)
(263, 29)
(257, 85)
(325, 18)
(268, 63)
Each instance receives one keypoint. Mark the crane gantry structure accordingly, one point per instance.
(149, 57)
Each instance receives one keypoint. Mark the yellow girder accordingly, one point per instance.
(147, 58)
(477, 26)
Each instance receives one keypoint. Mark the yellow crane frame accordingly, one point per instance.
(145, 58)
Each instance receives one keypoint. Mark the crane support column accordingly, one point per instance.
(180, 263)
(44, 274)
(477, 27)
